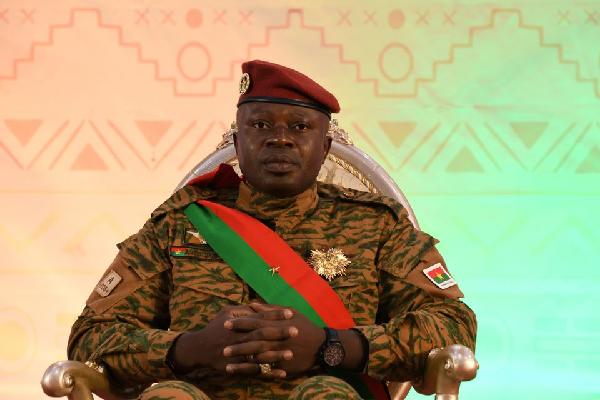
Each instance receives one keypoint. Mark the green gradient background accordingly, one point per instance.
(498, 152)
(510, 184)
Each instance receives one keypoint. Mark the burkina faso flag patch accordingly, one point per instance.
(439, 276)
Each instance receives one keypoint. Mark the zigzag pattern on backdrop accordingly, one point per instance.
(104, 145)
(232, 71)
(321, 30)
(521, 146)
(522, 25)
(512, 147)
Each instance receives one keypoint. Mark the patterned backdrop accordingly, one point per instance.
(487, 114)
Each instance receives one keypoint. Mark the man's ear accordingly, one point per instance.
(238, 117)
(235, 143)
(327, 146)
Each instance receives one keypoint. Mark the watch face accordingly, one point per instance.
(333, 355)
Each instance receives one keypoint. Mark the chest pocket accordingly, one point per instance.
(202, 282)
(199, 268)
(358, 291)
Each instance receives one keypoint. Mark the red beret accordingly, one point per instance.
(273, 83)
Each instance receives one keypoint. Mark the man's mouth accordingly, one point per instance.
(279, 164)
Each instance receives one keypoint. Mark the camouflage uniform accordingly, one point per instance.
(164, 293)
(320, 387)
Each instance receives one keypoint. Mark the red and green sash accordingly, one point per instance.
(276, 272)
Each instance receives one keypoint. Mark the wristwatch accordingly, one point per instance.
(332, 350)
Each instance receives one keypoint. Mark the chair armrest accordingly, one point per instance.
(445, 369)
(78, 381)
(398, 390)
(73, 379)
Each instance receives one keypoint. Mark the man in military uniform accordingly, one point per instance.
(176, 307)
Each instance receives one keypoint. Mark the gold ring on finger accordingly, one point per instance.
(250, 358)
(265, 369)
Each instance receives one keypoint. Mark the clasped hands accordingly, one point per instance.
(240, 338)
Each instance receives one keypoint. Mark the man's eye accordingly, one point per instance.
(259, 125)
(300, 127)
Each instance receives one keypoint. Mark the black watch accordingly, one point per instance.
(332, 352)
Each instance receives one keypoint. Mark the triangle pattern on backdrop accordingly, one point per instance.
(88, 159)
(529, 132)
(153, 131)
(23, 129)
(464, 161)
(397, 131)
(591, 164)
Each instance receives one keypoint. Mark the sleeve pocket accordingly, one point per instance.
(131, 276)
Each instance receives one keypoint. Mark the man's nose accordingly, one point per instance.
(280, 137)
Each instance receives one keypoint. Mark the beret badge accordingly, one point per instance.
(244, 83)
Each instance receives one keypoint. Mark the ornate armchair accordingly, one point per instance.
(346, 166)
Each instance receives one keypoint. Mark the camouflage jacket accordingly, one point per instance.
(131, 326)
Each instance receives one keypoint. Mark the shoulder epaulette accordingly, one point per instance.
(183, 197)
(334, 191)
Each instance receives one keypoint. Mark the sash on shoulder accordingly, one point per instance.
(276, 272)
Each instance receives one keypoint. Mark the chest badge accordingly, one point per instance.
(197, 235)
(329, 263)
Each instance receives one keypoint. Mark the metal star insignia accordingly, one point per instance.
(329, 263)
(274, 270)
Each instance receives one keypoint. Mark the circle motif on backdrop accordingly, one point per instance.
(17, 346)
(395, 62)
(193, 61)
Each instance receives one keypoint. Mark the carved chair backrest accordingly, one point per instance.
(346, 165)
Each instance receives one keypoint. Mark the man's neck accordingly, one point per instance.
(285, 211)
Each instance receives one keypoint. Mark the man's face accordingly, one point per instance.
(281, 147)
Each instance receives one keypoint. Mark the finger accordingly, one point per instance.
(275, 315)
(273, 356)
(241, 312)
(267, 357)
(252, 321)
(260, 329)
(258, 307)
(247, 348)
(243, 324)
(252, 369)
(272, 333)
(255, 347)
(276, 311)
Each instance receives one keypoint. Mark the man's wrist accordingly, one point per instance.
(356, 350)
(362, 365)
(170, 359)
(185, 354)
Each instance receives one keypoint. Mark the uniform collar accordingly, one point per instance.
(286, 212)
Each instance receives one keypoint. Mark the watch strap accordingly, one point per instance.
(331, 336)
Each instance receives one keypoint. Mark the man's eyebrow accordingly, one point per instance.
(291, 114)
(254, 113)
(302, 115)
